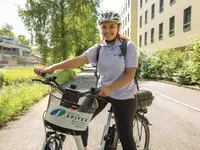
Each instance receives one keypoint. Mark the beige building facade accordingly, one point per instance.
(161, 24)
(128, 13)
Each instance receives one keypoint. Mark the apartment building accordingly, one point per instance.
(13, 53)
(128, 13)
(161, 24)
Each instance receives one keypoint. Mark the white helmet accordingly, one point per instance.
(110, 16)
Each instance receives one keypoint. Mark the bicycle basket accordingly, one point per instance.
(69, 117)
(144, 98)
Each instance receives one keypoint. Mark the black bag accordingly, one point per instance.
(144, 98)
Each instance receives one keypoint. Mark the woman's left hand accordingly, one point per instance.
(105, 91)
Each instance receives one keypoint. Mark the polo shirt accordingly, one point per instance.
(111, 66)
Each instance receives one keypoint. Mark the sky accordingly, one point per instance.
(9, 14)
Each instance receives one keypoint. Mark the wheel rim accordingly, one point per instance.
(139, 134)
(53, 145)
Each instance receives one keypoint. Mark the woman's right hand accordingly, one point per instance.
(41, 71)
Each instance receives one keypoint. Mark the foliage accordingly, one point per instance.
(6, 30)
(17, 98)
(181, 66)
(61, 28)
(22, 39)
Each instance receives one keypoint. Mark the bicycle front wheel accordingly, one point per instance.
(51, 144)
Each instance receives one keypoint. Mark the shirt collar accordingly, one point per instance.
(117, 43)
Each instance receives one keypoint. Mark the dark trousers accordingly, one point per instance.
(124, 111)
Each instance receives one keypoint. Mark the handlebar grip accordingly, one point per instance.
(43, 74)
(95, 90)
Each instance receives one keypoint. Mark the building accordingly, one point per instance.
(13, 53)
(161, 24)
(128, 13)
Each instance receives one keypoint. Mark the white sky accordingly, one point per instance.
(9, 14)
(112, 5)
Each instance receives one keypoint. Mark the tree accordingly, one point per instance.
(6, 30)
(61, 27)
(22, 39)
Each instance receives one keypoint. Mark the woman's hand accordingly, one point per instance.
(105, 91)
(40, 71)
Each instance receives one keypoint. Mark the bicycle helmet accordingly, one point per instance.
(110, 16)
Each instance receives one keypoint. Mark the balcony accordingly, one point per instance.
(9, 53)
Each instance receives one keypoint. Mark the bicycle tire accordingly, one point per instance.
(51, 144)
(145, 125)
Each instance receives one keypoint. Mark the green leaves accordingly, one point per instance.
(6, 30)
(61, 27)
(181, 66)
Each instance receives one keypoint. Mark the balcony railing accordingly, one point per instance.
(160, 37)
(9, 53)
(171, 32)
(187, 26)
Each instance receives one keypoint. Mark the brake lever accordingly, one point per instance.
(38, 80)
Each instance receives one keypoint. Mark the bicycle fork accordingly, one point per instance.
(108, 134)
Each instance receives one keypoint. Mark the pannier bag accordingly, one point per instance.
(144, 98)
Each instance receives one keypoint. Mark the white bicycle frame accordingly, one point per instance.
(78, 139)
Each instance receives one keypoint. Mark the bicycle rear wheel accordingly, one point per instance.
(141, 133)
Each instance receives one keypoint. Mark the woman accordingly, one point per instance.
(116, 76)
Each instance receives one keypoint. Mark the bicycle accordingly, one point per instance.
(69, 112)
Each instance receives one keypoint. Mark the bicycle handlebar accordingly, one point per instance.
(51, 80)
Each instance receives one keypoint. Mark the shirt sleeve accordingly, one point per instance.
(131, 55)
(91, 54)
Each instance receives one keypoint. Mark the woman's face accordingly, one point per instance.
(109, 30)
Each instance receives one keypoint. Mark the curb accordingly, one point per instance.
(185, 86)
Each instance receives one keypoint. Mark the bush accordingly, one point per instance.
(181, 66)
(1, 79)
(18, 97)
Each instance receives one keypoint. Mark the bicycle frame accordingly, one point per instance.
(77, 137)
(110, 116)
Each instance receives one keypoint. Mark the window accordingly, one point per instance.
(140, 21)
(140, 40)
(123, 23)
(152, 11)
(145, 38)
(146, 16)
(160, 36)
(152, 35)
(146, 1)
(171, 26)
(172, 2)
(128, 32)
(126, 6)
(161, 6)
(128, 3)
(140, 3)
(128, 17)
(125, 33)
(187, 19)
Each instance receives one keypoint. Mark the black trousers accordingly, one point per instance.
(124, 111)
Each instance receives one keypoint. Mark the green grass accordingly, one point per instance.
(15, 99)
(21, 93)
(18, 75)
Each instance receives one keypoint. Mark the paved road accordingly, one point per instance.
(176, 126)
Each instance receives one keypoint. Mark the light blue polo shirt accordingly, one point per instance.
(111, 66)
